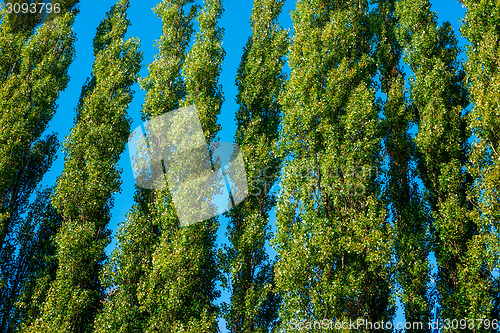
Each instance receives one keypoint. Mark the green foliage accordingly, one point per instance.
(351, 236)
(202, 68)
(14, 32)
(33, 71)
(187, 253)
(28, 93)
(439, 98)
(90, 177)
(15, 262)
(172, 289)
(36, 262)
(164, 85)
(126, 309)
(333, 240)
(253, 306)
(480, 285)
(125, 270)
(411, 227)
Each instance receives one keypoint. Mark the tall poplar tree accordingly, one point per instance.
(35, 263)
(480, 284)
(33, 72)
(164, 275)
(439, 98)
(180, 287)
(253, 306)
(138, 237)
(83, 194)
(333, 239)
(411, 226)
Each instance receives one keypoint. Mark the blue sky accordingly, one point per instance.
(147, 27)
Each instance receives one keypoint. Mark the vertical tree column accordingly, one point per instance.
(439, 98)
(144, 297)
(481, 284)
(83, 194)
(411, 225)
(33, 70)
(333, 239)
(180, 289)
(260, 80)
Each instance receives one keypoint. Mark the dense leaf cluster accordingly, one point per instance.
(378, 169)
